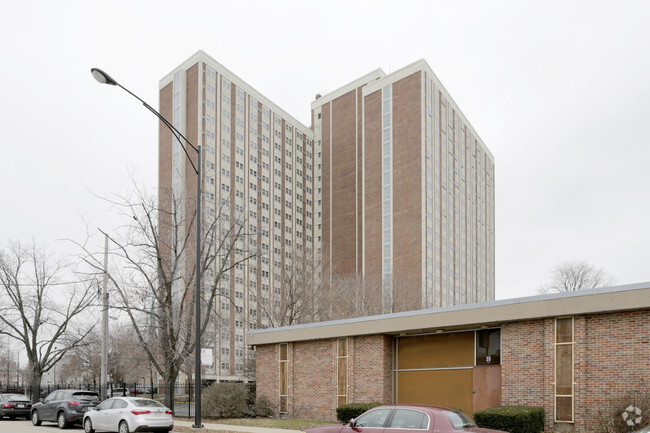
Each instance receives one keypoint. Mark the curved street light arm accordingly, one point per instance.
(104, 78)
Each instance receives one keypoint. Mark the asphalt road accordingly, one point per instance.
(23, 426)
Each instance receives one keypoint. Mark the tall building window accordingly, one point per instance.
(564, 370)
(342, 371)
(284, 378)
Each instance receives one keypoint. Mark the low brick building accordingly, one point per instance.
(568, 353)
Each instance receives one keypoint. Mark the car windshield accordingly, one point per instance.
(18, 397)
(459, 420)
(86, 396)
(142, 402)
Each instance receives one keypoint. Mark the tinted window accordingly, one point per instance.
(409, 419)
(56, 395)
(146, 403)
(488, 347)
(85, 396)
(18, 397)
(374, 418)
(459, 420)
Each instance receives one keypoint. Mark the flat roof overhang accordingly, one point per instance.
(471, 316)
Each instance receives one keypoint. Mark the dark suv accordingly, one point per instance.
(64, 406)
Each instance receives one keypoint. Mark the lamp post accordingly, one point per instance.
(104, 78)
(104, 367)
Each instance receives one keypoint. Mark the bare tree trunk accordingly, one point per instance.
(35, 376)
(169, 394)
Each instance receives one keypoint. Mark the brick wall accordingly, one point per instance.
(312, 379)
(343, 180)
(267, 374)
(370, 371)
(611, 353)
(407, 193)
(616, 358)
(313, 374)
(527, 360)
(372, 186)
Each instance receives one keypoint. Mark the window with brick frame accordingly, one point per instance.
(342, 371)
(564, 345)
(284, 377)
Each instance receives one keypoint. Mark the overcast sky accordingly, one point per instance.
(559, 91)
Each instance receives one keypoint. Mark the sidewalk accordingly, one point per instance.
(234, 428)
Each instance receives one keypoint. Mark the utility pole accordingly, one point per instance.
(8, 363)
(104, 366)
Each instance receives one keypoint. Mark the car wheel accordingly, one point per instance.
(124, 427)
(36, 420)
(12, 416)
(61, 421)
(88, 426)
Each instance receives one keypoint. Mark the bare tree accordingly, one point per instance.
(88, 358)
(153, 273)
(308, 293)
(354, 296)
(84, 361)
(39, 309)
(299, 298)
(577, 275)
(358, 296)
(127, 361)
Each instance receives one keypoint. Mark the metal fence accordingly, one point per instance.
(183, 403)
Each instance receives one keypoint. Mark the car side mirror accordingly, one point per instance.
(352, 422)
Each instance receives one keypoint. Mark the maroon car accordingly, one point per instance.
(406, 419)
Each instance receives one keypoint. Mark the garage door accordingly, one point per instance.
(435, 369)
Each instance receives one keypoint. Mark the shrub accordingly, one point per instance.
(624, 414)
(352, 410)
(224, 400)
(513, 419)
(263, 406)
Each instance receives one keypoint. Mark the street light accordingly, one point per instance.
(104, 78)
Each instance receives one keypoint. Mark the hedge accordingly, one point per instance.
(512, 419)
(352, 410)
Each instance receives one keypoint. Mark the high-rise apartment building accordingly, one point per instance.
(390, 183)
(407, 190)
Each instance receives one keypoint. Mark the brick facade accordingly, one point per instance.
(611, 352)
(313, 374)
(407, 192)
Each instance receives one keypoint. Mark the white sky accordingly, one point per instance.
(558, 90)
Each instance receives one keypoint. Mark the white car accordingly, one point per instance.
(118, 392)
(129, 414)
